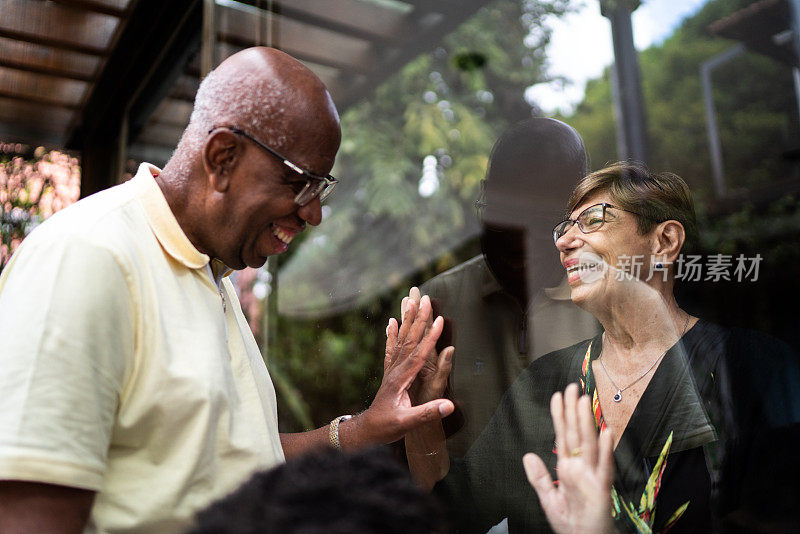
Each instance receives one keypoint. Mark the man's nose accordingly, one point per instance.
(311, 212)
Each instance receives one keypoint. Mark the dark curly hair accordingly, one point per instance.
(366, 492)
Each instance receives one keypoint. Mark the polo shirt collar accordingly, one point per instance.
(560, 292)
(162, 221)
(219, 270)
(490, 285)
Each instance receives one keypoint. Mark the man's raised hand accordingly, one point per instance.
(431, 380)
(392, 413)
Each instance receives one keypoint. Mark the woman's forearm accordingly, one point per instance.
(427, 455)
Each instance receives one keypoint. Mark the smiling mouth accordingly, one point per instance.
(583, 268)
(283, 237)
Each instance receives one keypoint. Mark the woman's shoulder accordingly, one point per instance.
(760, 369)
(745, 347)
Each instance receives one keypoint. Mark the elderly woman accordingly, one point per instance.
(704, 419)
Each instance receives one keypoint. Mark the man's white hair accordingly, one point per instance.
(250, 102)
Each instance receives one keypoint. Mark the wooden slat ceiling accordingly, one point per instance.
(51, 52)
(54, 52)
(352, 45)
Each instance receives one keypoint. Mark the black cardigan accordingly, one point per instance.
(731, 398)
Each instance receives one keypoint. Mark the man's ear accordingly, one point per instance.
(669, 237)
(221, 154)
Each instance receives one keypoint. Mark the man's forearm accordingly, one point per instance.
(43, 508)
(297, 443)
(352, 435)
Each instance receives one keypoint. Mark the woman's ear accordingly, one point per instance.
(669, 237)
(221, 154)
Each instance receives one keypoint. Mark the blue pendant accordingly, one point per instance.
(618, 396)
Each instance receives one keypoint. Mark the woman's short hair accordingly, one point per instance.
(655, 197)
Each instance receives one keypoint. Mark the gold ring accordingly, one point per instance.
(575, 452)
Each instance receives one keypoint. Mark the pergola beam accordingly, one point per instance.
(59, 44)
(42, 101)
(141, 54)
(168, 68)
(452, 14)
(47, 71)
(28, 135)
(354, 67)
(439, 6)
(341, 17)
(97, 7)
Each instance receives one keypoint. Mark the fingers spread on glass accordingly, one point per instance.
(581, 502)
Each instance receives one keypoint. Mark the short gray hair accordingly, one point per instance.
(251, 102)
(655, 196)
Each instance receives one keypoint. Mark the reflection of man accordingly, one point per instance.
(133, 393)
(503, 308)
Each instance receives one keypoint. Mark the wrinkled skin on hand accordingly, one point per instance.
(581, 502)
(393, 413)
(431, 382)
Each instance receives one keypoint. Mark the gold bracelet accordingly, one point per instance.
(333, 431)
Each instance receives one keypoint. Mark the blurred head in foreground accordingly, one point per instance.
(329, 492)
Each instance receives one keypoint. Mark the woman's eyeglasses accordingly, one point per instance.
(589, 220)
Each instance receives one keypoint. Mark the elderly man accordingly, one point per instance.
(132, 392)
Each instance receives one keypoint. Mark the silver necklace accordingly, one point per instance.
(618, 394)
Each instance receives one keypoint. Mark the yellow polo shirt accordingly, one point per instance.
(122, 371)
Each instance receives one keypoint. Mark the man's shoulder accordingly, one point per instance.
(563, 358)
(102, 227)
(470, 272)
(556, 368)
(531, 391)
(103, 219)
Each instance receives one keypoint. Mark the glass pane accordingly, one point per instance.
(674, 315)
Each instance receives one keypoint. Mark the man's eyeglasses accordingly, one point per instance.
(589, 220)
(480, 204)
(315, 186)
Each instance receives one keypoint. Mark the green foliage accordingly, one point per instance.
(594, 120)
(754, 100)
(331, 367)
(763, 230)
(757, 119)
